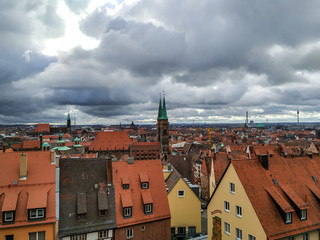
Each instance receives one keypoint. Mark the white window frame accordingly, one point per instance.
(306, 236)
(226, 206)
(9, 216)
(226, 228)
(182, 191)
(148, 208)
(38, 213)
(251, 237)
(145, 185)
(129, 233)
(289, 217)
(238, 234)
(37, 235)
(232, 188)
(239, 211)
(127, 212)
(303, 214)
(103, 234)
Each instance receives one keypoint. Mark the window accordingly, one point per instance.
(8, 217)
(306, 236)
(145, 185)
(127, 212)
(182, 230)
(288, 218)
(125, 186)
(226, 206)
(8, 237)
(238, 234)
(239, 211)
(79, 237)
(103, 234)
(227, 228)
(181, 193)
(232, 188)
(102, 213)
(173, 231)
(38, 235)
(130, 233)
(143, 228)
(36, 213)
(191, 231)
(291, 238)
(82, 216)
(250, 237)
(303, 214)
(148, 208)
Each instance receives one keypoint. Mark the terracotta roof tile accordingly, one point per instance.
(38, 197)
(110, 141)
(10, 199)
(143, 177)
(285, 206)
(126, 200)
(42, 127)
(146, 197)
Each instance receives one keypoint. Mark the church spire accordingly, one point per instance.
(160, 109)
(68, 116)
(164, 108)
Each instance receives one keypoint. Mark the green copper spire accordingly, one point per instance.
(164, 109)
(69, 116)
(160, 109)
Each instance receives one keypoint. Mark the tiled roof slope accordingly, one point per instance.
(37, 191)
(42, 127)
(292, 175)
(157, 191)
(77, 179)
(110, 141)
(31, 144)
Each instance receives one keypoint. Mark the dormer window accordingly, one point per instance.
(102, 213)
(8, 217)
(288, 218)
(303, 214)
(82, 216)
(36, 214)
(145, 185)
(125, 186)
(127, 212)
(147, 208)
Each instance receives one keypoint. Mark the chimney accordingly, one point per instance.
(109, 170)
(23, 167)
(53, 157)
(130, 160)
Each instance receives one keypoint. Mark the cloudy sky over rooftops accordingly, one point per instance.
(106, 61)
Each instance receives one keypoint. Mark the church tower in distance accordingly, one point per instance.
(69, 123)
(163, 126)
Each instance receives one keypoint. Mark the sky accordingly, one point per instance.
(106, 61)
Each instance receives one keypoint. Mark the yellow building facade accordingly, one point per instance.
(29, 232)
(185, 208)
(223, 220)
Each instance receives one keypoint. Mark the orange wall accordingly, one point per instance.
(21, 233)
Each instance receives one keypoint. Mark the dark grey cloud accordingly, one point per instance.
(214, 59)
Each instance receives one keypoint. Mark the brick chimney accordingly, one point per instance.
(23, 167)
(53, 157)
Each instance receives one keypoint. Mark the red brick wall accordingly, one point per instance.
(157, 230)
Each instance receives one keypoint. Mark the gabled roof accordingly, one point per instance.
(31, 144)
(84, 190)
(37, 191)
(292, 176)
(156, 192)
(42, 127)
(110, 141)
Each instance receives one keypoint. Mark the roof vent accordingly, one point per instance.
(275, 181)
(314, 178)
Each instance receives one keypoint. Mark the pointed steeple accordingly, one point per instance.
(160, 109)
(164, 108)
(69, 116)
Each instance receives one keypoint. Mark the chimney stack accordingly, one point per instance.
(23, 167)
(53, 157)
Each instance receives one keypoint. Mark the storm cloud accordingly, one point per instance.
(214, 59)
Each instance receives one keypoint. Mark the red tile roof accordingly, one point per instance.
(30, 192)
(31, 144)
(286, 180)
(156, 192)
(42, 127)
(110, 141)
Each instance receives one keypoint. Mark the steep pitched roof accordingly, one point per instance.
(293, 176)
(37, 191)
(42, 127)
(30, 144)
(157, 191)
(111, 141)
(84, 189)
